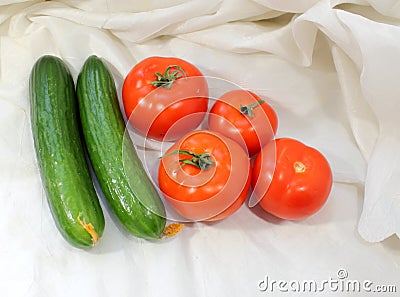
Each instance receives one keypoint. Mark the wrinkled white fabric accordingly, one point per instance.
(330, 69)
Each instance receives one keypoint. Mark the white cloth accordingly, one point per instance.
(330, 69)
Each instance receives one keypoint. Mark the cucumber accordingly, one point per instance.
(131, 195)
(64, 171)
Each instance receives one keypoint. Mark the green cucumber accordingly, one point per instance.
(64, 171)
(128, 189)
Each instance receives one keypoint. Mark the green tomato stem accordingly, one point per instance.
(248, 109)
(168, 78)
(202, 161)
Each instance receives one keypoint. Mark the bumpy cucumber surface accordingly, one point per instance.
(127, 187)
(60, 153)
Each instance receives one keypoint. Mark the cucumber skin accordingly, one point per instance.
(60, 153)
(129, 191)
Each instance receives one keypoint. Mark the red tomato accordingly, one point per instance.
(205, 176)
(244, 117)
(292, 180)
(165, 97)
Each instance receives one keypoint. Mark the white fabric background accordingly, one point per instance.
(331, 70)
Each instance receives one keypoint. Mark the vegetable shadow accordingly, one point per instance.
(265, 216)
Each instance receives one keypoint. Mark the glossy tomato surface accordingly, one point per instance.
(165, 97)
(291, 179)
(213, 191)
(244, 117)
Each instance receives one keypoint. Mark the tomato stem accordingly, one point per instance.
(167, 79)
(202, 161)
(248, 109)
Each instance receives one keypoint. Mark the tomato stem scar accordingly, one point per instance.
(202, 161)
(248, 109)
(89, 229)
(167, 79)
(299, 167)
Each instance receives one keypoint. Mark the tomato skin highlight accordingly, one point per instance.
(294, 183)
(252, 131)
(165, 112)
(211, 194)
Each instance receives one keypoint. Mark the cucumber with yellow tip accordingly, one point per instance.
(60, 153)
(128, 189)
